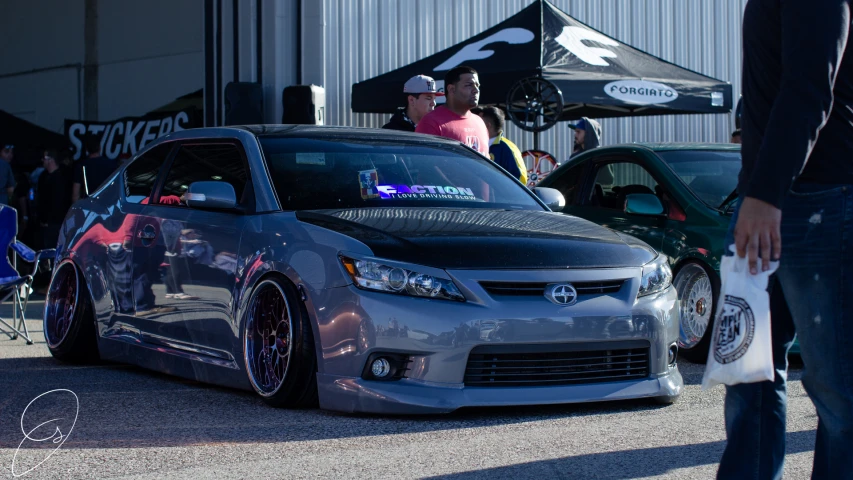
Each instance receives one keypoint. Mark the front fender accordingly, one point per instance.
(306, 255)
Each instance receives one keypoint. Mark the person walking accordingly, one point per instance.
(796, 206)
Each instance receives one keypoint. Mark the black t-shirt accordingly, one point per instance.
(797, 96)
(400, 121)
(22, 186)
(98, 169)
(54, 198)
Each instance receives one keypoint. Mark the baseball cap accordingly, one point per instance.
(581, 125)
(421, 84)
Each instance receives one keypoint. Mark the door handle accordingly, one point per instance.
(147, 235)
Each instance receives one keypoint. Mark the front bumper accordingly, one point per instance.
(348, 394)
(438, 336)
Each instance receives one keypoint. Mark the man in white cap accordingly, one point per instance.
(420, 94)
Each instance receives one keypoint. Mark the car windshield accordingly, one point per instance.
(711, 174)
(314, 174)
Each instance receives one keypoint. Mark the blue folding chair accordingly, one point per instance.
(10, 280)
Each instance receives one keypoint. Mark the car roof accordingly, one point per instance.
(666, 147)
(316, 131)
(341, 131)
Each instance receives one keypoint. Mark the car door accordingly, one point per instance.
(139, 179)
(191, 254)
(600, 192)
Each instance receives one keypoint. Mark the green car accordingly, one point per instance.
(681, 202)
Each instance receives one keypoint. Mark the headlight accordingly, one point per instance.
(657, 276)
(371, 275)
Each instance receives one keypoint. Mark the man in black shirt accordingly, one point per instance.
(796, 191)
(54, 198)
(420, 93)
(92, 171)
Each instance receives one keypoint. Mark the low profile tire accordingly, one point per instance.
(69, 321)
(698, 293)
(278, 346)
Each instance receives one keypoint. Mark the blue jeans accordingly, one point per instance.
(811, 292)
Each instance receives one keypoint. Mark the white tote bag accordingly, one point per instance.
(741, 348)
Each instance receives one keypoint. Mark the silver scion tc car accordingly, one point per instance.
(366, 270)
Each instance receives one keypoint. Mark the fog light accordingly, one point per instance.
(673, 354)
(380, 368)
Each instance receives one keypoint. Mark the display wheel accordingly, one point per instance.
(534, 104)
(539, 165)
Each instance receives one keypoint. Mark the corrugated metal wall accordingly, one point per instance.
(365, 38)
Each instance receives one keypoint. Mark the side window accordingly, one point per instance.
(199, 162)
(140, 175)
(569, 183)
(615, 181)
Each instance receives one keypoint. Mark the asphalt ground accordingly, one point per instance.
(134, 423)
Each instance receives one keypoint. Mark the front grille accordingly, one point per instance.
(561, 364)
(538, 288)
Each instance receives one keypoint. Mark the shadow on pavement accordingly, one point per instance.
(624, 464)
(126, 406)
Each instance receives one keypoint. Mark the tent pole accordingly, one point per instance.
(536, 140)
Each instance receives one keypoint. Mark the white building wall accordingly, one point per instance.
(149, 53)
(44, 35)
(365, 38)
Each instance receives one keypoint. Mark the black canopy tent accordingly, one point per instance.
(544, 66)
(29, 139)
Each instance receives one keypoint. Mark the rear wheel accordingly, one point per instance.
(278, 346)
(69, 322)
(697, 295)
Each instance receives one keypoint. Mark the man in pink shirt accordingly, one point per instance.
(454, 119)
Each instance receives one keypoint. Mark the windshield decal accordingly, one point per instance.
(368, 179)
(311, 158)
(426, 191)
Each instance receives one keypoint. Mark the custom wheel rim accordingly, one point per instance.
(61, 303)
(268, 338)
(534, 104)
(696, 298)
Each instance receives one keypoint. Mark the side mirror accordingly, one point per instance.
(643, 204)
(551, 197)
(211, 194)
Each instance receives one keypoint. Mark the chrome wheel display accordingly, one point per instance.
(696, 300)
(268, 338)
(61, 303)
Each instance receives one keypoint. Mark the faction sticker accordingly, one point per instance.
(426, 192)
(368, 179)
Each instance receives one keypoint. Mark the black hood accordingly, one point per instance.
(483, 239)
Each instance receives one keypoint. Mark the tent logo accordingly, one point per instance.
(572, 38)
(513, 36)
(640, 92)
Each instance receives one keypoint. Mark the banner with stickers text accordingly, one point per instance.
(124, 137)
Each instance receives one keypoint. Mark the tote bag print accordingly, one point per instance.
(741, 348)
(736, 331)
